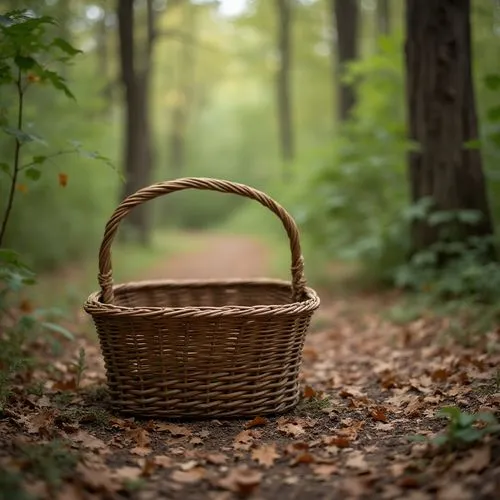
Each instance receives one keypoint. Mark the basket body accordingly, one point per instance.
(203, 348)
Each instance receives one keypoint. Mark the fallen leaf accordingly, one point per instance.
(477, 461)
(216, 458)
(128, 473)
(174, 430)
(188, 465)
(88, 441)
(256, 422)
(140, 436)
(265, 455)
(241, 480)
(356, 460)
(379, 414)
(309, 392)
(190, 476)
(96, 479)
(163, 461)
(324, 471)
(302, 458)
(243, 440)
(339, 442)
(142, 451)
(196, 440)
(290, 429)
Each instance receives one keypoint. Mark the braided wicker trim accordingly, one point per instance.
(96, 307)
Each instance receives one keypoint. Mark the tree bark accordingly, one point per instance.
(383, 17)
(283, 84)
(345, 21)
(442, 118)
(137, 146)
(184, 95)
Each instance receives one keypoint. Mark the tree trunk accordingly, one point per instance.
(103, 75)
(383, 17)
(442, 118)
(137, 147)
(283, 85)
(184, 95)
(345, 21)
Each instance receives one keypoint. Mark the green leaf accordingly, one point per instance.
(440, 440)
(472, 144)
(466, 419)
(417, 438)
(57, 81)
(58, 329)
(38, 160)
(468, 435)
(451, 412)
(487, 418)
(441, 217)
(493, 114)
(4, 167)
(492, 81)
(22, 136)
(65, 47)
(24, 63)
(470, 217)
(33, 173)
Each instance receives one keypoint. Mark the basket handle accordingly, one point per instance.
(105, 276)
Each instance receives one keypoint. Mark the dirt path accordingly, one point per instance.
(215, 256)
(367, 383)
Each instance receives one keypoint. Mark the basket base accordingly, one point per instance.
(217, 409)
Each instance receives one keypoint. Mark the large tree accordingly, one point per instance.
(442, 119)
(135, 61)
(345, 23)
(283, 82)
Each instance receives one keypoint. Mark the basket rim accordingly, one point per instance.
(95, 307)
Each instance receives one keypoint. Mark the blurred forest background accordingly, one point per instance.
(304, 99)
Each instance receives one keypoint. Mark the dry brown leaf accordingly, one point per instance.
(96, 478)
(140, 436)
(291, 429)
(196, 441)
(265, 455)
(188, 465)
(324, 471)
(379, 414)
(127, 473)
(309, 392)
(356, 460)
(90, 442)
(174, 430)
(163, 461)
(256, 422)
(338, 441)
(216, 458)
(241, 480)
(142, 451)
(244, 440)
(477, 460)
(302, 458)
(190, 476)
(455, 491)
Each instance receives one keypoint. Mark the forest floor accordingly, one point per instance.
(367, 384)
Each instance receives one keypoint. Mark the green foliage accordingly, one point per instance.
(11, 486)
(463, 429)
(52, 462)
(356, 192)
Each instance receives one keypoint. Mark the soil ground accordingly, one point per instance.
(367, 384)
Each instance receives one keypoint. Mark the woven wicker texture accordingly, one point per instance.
(202, 348)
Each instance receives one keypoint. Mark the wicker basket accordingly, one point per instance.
(202, 348)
